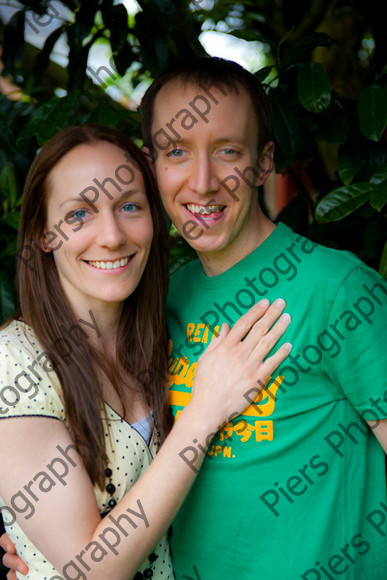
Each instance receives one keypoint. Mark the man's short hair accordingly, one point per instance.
(207, 72)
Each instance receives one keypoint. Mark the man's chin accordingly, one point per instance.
(206, 244)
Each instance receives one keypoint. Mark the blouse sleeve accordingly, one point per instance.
(29, 385)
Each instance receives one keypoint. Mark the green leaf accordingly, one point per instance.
(383, 262)
(300, 51)
(43, 58)
(85, 18)
(314, 88)
(287, 132)
(104, 114)
(79, 53)
(37, 6)
(116, 19)
(248, 35)
(372, 109)
(153, 40)
(8, 183)
(165, 7)
(332, 126)
(49, 118)
(161, 51)
(253, 15)
(124, 58)
(13, 42)
(342, 201)
(7, 304)
(347, 168)
(262, 74)
(379, 176)
(13, 220)
(379, 195)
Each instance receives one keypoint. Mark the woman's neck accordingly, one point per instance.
(105, 318)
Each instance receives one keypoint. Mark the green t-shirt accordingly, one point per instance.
(295, 487)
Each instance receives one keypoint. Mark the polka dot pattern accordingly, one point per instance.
(35, 391)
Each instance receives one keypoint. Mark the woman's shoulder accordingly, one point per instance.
(18, 343)
(18, 334)
(29, 384)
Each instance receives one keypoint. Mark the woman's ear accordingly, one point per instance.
(43, 245)
(266, 161)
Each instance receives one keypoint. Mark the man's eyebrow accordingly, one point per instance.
(224, 139)
(124, 194)
(231, 138)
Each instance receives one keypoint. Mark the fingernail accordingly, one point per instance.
(288, 346)
(263, 303)
(280, 302)
(285, 317)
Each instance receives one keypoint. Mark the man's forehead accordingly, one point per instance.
(213, 89)
(213, 112)
(200, 98)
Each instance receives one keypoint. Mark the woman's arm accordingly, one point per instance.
(65, 523)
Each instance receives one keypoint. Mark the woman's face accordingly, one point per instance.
(99, 225)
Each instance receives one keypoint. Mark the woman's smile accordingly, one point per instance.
(103, 259)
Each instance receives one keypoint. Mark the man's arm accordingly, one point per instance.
(380, 432)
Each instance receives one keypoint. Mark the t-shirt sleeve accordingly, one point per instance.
(29, 385)
(357, 326)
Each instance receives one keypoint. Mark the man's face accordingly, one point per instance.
(207, 169)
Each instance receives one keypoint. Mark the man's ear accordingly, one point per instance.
(149, 158)
(266, 161)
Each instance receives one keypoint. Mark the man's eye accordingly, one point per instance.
(130, 207)
(230, 151)
(175, 153)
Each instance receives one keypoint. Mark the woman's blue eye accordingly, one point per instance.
(79, 214)
(129, 207)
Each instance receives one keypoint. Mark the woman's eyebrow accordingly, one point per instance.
(122, 195)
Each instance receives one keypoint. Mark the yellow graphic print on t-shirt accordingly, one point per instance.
(181, 374)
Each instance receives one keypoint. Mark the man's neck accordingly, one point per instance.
(215, 263)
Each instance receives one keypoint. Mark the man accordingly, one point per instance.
(295, 487)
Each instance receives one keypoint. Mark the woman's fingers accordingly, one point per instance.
(262, 347)
(272, 362)
(237, 359)
(261, 328)
(224, 330)
(245, 323)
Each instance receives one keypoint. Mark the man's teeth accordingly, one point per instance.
(110, 265)
(204, 209)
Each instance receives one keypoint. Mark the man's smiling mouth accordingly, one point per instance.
(205, 210)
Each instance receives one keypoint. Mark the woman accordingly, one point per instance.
(92, 279)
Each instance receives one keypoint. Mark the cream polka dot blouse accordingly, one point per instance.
(30, 387)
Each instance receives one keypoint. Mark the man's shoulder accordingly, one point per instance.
(323, 264)
(183, 272)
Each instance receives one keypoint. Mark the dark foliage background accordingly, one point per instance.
(325, 76)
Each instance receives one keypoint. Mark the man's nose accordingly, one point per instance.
(203, 179)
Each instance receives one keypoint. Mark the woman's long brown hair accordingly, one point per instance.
(141, 341)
